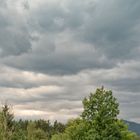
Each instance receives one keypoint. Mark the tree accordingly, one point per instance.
(100, 112)
(137, 138)
(101, 106)
(75, 130)
(20, 132)
(45, 126)
(6, 123)
(34, 133)
(58, 127)
(60, 136)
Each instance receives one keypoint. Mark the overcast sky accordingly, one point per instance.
(53, 53)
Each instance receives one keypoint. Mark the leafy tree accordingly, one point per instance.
(100, 112)
(98, 122)
(20, 132)
(6, 123)
(45, 126)
(34, 133)
(101, 106)
(137, 138)
(58, 127)
(76, 129)
(60, 136)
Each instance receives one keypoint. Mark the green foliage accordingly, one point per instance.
(34, 133)
(137, 138)
(60, 136)
(97, 122)
(125, 134)
(58, 127)
(6, 123)
(100, 106)
(100, 112)
(20, 130)
(76, 129)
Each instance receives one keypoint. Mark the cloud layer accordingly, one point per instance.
(54, 53)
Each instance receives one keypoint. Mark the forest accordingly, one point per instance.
(98, 121)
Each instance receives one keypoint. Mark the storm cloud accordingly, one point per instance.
(54, 53)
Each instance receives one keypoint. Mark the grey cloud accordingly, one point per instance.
(75, 46)
(69, 93)
(110, 29)
(124, 84)
(14, 43)
(63, 59)
(59, 16)
(14, 36)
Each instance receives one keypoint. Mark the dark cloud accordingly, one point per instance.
(113, 28)
(54, 53)
(14, 36)
(81, 35)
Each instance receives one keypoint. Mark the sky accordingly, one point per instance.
(53, 53)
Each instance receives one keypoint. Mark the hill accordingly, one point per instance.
(133, 126)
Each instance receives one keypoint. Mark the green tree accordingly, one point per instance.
(6, 123)
(100, 112)
(75, 130)
(45, 126)
(61, 136)
(58, 127)
(137, 138)
(34, 133)
(20, 132)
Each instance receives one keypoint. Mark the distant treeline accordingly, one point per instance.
(98, 121)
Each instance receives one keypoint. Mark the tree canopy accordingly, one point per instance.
(98, 121)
